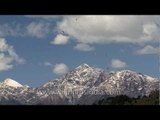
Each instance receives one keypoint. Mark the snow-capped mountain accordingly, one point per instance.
(83, 85)
(128, 83)
(11, 83)
(12, 92)
(71, 86)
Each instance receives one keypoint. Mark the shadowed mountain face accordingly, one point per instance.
(83, 85)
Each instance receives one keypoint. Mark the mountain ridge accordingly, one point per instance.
(12, 83)
(83, 85)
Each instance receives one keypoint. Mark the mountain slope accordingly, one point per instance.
(129, 83)
(12, 83)
(152, 99)
(71, 86)
(12, 92)
(83, 85)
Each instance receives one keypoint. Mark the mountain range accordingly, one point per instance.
(82, 86)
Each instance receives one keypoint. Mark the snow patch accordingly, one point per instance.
(12, 83)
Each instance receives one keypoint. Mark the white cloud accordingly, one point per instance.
(47, 64)
(60, 69)
(10, 30)
(109, 28)
(118, 64)
(84, 47)
(34, 29)
(148, 50)
(14, 55)
(8, 56)
(151, 32)
(5, 62)
(60, 40)
(38, 29)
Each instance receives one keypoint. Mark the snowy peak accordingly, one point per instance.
(83, 66)
(82, 75)
(132, 74)
(126, 72)
(12, 83)
(78, 87)
(86, 69)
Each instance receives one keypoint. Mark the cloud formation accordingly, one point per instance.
(60, 40)
(60, 69)
(89, 29)
(118, 64)
(47, 64)
(148, 50)
(10, 30)
(33, 29)
(8, 56)
(84, 47)
(38, 29)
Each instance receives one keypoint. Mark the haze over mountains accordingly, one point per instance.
(83, 85)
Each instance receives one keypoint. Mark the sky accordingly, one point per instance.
(37, 48)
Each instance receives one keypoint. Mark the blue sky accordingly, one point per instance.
(36, 49)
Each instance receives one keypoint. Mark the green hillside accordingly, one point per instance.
(152, 99)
